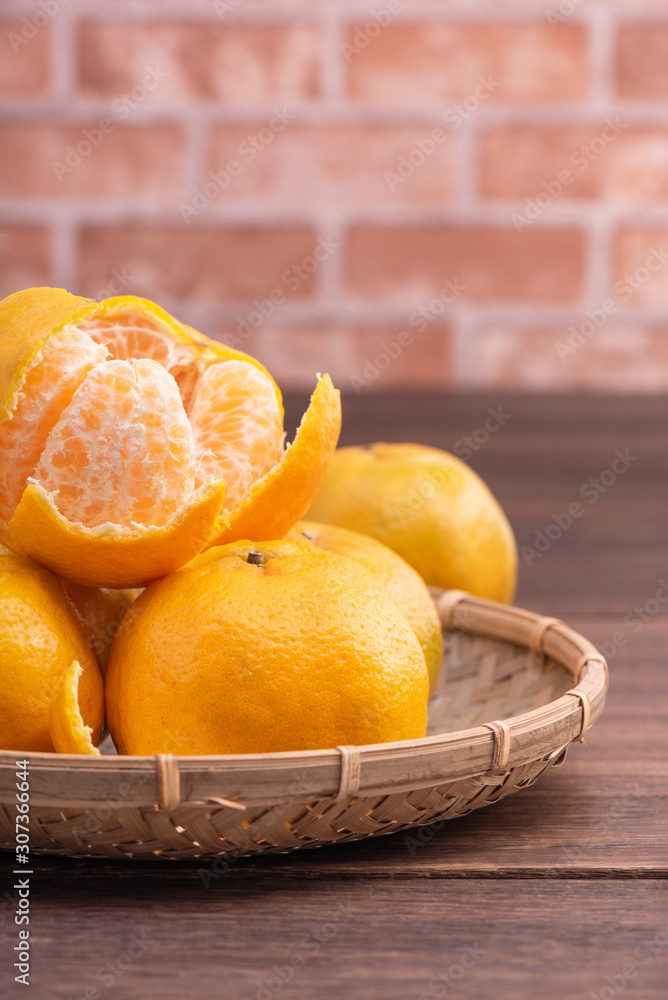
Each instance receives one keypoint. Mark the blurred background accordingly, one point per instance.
(409, 194)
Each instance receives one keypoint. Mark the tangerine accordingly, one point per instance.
(40, 636)
(292, 648)
(402, 583)
(129, 443)
(428, 506)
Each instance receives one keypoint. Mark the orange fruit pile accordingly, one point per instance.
(130, 442)
(137, 453)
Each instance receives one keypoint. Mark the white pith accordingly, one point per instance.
(174, 375)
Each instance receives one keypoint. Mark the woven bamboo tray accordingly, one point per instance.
(516, 690)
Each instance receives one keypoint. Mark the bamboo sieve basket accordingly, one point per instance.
(516, 690)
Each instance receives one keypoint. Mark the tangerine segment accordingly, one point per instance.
(113, 555)
(223, 352)
(237, 427)
(122, 451)
(283, 495)
(134, 327)
(130, 332)
(27, 320)
(68, 732)
(48, 386)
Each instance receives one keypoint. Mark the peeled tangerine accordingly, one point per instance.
(129, 442)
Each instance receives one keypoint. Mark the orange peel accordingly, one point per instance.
(102, 610)
(278, 500)
(38, 313)
(41, 633)
(71, 424)
(69, 733)
(208, 351)
(123, 557)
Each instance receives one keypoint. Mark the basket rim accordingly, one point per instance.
(165, 781)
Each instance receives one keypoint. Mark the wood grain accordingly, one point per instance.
(558, 885)
(365, 939)
(536, 464)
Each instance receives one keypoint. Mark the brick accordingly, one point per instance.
(205, 264)
(641, 59)
(431, 63)
(359, 358)
(640, 265)
(302, 167)
(410, 264)
(606, 162)
(24, 61)
(25, 257)
(241, 63)
(612, 359)
(128, 161)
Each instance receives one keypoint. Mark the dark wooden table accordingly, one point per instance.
(555, 892)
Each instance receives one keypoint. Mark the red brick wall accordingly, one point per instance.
(411, 193)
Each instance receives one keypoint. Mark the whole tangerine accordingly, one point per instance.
(261, 647)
